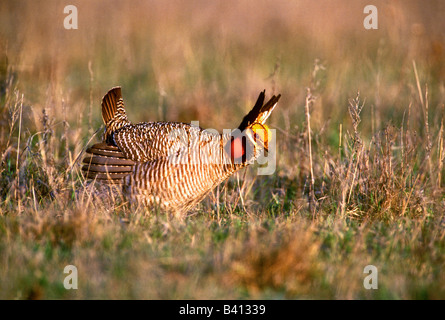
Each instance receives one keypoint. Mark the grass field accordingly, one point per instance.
(364, 186)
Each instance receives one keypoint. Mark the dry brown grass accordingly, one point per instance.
(286, 264)
(359, 180)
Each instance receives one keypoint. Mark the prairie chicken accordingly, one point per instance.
(172, 165)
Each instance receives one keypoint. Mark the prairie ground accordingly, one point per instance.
(359, 176)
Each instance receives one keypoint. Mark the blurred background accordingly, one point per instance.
(207, 61)
(377, 160)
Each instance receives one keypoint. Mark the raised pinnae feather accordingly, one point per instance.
(267, 109)
(260, 112)
(248, 118)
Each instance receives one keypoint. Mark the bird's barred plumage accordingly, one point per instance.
(170, 164)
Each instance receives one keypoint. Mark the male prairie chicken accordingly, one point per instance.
(172, 165)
